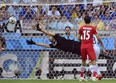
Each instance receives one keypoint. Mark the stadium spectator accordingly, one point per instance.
(1, 18)
(110, 7)
(53, 1)
(66, 1)
(42, 22)
(70, 11)
(96, 3)
(36, 8)
(74, 14)
(106, 18)
(71, 20)
(53, 16)
(64, 22)
(39, 12)
(113, 10)
(45, 9)
(82, 23)
(53, 23)
(102, 11)
(33, 1)
(45, 1)
(66, 10)
(27, 13)
(97, 12)
(78, 9)
(29, 1)
(16, 1)
(6, 1)
(14, 11)
(98, 23)
(54, 13)
(4, 10)
(68, 34)
(112, 24)
(79, 18)
(70, 1)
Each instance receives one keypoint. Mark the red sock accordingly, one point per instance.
(94, 74)
(82, 71)
(81, 74)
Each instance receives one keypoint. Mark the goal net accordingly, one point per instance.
(23, 61)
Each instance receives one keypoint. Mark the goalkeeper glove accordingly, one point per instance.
(30, 42)
(38, 28)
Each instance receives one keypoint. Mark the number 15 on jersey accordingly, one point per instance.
(86, 34)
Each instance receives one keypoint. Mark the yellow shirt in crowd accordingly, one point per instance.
(100, 25)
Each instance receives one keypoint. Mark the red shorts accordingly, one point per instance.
(89, 51)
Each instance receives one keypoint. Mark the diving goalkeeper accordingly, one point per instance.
(58, 42)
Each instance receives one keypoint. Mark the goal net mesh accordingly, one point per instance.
(20, 60)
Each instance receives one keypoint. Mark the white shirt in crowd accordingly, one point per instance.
(57, 13)
(53, 24)
(29, 1)
(62, 25)
(68, 1)
(97, 2)
(78, 19)
(71, 1)
(45, 8)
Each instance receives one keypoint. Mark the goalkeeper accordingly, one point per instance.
(58, 42)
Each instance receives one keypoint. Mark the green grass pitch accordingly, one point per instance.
(55, 81)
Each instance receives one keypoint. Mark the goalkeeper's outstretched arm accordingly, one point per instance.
(44, 45)
(31, 42)
(37, 27)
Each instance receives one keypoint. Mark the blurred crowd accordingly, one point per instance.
(39, 1)
(103, 15)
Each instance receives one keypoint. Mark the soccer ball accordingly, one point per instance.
(12, 20)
